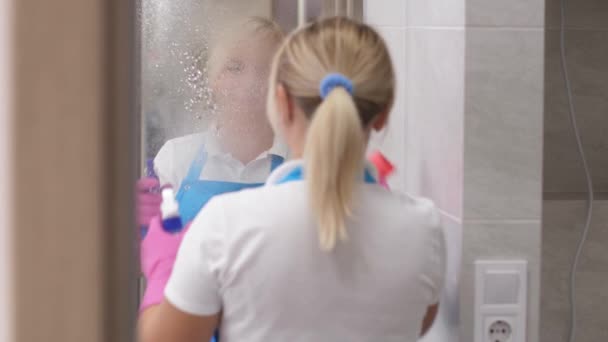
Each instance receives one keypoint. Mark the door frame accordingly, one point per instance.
(74, 139)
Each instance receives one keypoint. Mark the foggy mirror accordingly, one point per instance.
(204, 68)
(205, 63)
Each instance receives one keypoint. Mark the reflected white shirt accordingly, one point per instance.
(175, 157)
(254, 256)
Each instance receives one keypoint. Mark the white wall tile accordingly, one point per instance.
(500, 241)
(503, 124)
(435, 13)
(435, 109)
(520, 13)
(391, 141)
(385, 12)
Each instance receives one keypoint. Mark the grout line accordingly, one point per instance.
(462, 28)
(501, 221)
(598, 29)
(572, 196)
(518, 28)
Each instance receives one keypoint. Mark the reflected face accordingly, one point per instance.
(240, 84)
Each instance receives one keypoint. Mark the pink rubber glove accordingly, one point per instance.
(157, 254)
(148, 200)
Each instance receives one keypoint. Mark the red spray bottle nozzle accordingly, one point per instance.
(384, 167)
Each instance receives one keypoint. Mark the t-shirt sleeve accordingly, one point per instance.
(194, 286)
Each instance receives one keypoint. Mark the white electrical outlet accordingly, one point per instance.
(500, 301)
(498, 329)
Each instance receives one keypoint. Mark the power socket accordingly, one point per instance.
(500, 300)
(498, 329)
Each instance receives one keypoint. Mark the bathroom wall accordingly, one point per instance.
(564, 210)
(587, 54)
(467, 132)
(563, 222)
(503, 143)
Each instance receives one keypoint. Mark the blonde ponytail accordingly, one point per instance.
(339, 117)
(333, 155)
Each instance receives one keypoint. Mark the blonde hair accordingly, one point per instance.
(336, 138)
(259, 27)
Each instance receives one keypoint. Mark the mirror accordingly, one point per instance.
(182, 43)
(204, 66)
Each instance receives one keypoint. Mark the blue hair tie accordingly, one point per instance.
(329, 82)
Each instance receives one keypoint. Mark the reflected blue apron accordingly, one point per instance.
(194, 193)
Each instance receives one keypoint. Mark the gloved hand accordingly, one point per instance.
(157, 255)
(148, 200)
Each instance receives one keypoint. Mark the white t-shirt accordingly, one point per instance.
(175, 157)
(254, 255)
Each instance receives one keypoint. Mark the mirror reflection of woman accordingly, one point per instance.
(322, 252)
(239, 150)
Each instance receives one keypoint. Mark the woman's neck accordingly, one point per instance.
(246, 147)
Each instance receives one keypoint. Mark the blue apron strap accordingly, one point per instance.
(297, 174)
(369, 178)
(275, 161)
(194, 173)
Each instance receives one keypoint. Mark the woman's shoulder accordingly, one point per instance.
(172, 160)
(196, 139)
(255, 199)
(402, 208)
(422, 206)
(180, 149)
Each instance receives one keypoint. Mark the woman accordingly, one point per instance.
(239, 150)
(322, 252)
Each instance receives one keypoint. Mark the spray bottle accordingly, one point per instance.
(171, 220)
